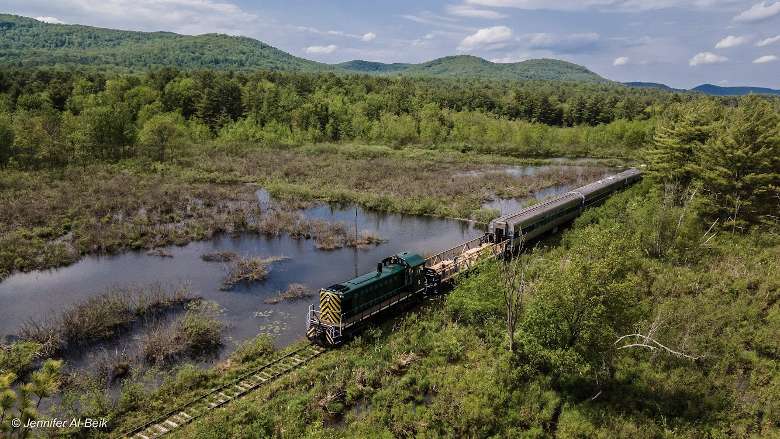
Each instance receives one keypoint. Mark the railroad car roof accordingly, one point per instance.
(607, 181)
(532, 211)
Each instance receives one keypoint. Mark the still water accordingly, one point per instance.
(41, 295)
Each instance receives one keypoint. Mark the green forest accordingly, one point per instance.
(656, 314)
(55, 118)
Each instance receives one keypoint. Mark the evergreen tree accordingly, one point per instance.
(46, 381)
(740, 168)
(683, 130)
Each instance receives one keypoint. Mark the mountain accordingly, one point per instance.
(26, 42)
(360, 66)
(653, 85)
(475, 67)
(734, 91)
(709, 89)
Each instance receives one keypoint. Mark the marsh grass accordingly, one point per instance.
(101, 318)
(198, 334)
(247, 270)
(293, 293)
(338, 237)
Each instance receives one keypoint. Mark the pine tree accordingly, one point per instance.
(740, 169)
(46, 381)
(682, 131)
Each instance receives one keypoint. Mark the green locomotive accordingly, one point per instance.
(345, 305)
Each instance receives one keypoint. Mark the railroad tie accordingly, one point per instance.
(224, 394)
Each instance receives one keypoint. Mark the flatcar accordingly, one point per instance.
(345, 307)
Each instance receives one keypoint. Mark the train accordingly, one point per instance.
(404, 278)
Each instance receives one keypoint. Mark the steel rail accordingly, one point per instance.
(219, 396)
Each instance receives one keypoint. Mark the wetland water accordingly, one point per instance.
(41, 295)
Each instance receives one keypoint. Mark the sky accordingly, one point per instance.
(682, 43)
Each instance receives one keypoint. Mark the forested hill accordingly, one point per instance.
(472, 66)
(542, 69)
(26, 42)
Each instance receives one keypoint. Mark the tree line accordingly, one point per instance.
(51, 117)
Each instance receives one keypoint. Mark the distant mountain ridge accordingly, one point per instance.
(716, 90)
(654, 85)
(710, 89)
(26, 42)
(472, 66)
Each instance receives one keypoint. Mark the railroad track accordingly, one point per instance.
(186, 413)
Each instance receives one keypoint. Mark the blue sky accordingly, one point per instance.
(682, 43)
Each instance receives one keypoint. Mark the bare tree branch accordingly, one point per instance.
(515, 290)
(647, 342)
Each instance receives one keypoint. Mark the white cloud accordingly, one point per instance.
(510, 59)
(621, 61)
(488, 38)
(431, 19)
(765, 59)
(605, 5)
(732, 41)
(330, 48)
(472, 12)
(706, 58)
(768, 41)
(542, 4)
(50, 20)
(182, 16)
(367, 37)
(759, 12)
(566, 43)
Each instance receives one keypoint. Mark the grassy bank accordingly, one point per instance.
(445, 370)
(52, 218)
